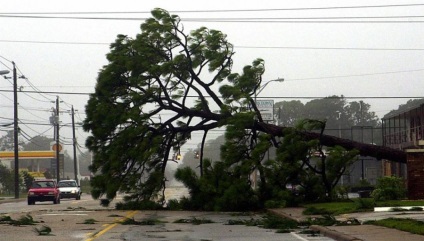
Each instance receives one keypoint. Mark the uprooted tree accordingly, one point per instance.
(163, 85)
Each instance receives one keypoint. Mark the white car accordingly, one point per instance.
(69, 189)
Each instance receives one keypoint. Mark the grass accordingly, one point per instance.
(404, 224)
(334, 208)
(399, 203)
(356, 205)
(367, 204)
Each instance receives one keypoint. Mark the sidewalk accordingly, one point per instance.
(11, 200)
(357, 232)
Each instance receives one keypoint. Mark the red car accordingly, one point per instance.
(44, 190)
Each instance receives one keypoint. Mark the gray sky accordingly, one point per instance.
(375, 58)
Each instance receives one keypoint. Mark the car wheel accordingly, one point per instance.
(58, 200)
(78, 197)
(30, 202)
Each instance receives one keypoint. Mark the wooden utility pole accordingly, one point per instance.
(15, 130)
(74, 142)
(57, 141)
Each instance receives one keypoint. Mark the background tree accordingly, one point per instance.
(413, 103)
(27, 179)
(348, 120)
(37, 143)
(289, 112)
(7, 179)
(84, 160)
(6, 141)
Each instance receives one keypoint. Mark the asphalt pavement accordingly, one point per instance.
(209, 231)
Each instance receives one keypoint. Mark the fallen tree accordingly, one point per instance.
(379, 152)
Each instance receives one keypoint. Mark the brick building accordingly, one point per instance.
(404, 129)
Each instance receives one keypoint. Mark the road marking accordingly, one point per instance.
(110, 226)
(298, 236)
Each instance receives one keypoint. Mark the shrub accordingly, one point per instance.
(389, 188)
(275, 204)
(364, 203)
(174, 204)
(216, 190)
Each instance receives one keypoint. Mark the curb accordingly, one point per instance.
(11, 200)
(321, 229)
(333, 234)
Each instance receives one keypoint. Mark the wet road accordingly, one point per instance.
(217, 230)
(68, 221)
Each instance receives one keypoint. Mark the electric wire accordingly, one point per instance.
(29, 138)
(6, 60)
(357, 75)
(236, 46)
(259, 97)
(294, 20)
(234, 10)
(31, 113)
(36, 89)
(27, 126)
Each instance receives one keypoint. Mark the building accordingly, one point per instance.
(404, 129)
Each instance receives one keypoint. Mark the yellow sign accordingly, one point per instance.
(28, 154)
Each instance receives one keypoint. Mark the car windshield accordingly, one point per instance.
(42, 184)
(67, 184)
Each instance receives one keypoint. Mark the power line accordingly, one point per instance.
(232, 10)
(357, 75)
(327, 48)
(50, 92)
(52, 42)
(241, 47)
(274, 97)
(245, 20)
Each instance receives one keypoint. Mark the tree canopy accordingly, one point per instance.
(156, 90)
(143, 106)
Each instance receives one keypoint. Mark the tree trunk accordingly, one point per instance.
(379, 152)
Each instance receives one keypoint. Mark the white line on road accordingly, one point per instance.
(297, 236)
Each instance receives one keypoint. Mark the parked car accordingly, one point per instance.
(69, 189)
(42, 191)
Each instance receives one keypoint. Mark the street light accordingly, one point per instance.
(3, 72)
(257, 92)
